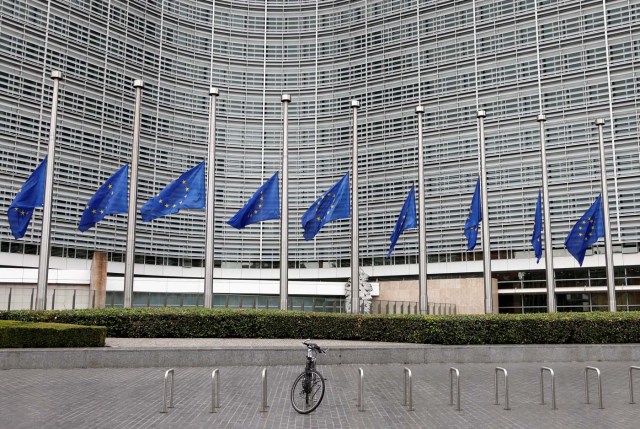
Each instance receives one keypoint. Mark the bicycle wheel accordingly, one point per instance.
(307, 393)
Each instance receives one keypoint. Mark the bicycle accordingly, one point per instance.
(308, 389)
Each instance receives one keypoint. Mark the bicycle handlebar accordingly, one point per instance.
(313, 346)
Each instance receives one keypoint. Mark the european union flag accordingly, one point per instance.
(536, 239)
(406, 219)
(263, 205)
(586, 231)
(186, 192)
(110, 198)
(473, 220)
(332, 205)
(30, 196)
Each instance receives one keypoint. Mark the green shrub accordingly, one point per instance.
(560, 328)
(42, 334)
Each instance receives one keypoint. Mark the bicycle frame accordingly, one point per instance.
(310, 366)
(311, 360)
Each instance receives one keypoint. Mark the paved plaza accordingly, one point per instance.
(132, 397)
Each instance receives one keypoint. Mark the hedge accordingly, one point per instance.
(559, 328)
(14, 334)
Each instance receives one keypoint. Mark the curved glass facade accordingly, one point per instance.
(573, 60)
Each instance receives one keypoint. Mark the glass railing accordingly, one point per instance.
(23, 298)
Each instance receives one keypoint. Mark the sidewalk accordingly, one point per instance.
(125, 398)
(248, 343)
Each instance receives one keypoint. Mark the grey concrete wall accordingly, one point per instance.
(217, 356)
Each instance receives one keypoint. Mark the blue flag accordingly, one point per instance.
(473, 220)
(110, 198)
(30, 196)
(186, 192)
(406, 219)
(586, 231)
(536, 239)
(332, 205)
(263, 205)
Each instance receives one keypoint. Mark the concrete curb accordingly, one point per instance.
(145, 357)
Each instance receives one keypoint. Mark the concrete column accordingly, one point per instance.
(98, 281)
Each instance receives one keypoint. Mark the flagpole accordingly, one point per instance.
(611, 289)
(422, 238)
(133, 198)
(548, 248)
(355, 259)
(284, 211)
(211, 201)
(45, 237)
(486, 245)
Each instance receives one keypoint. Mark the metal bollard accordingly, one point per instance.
(164, 397)
(407, 374)
(457, 373)
(586, 384)
(553, 387)
(215, 390)
(264, 405)
(360, 389)
(506, 387)
(631, 368)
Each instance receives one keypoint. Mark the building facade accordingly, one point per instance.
(574, 61)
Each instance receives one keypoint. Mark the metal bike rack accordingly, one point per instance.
(215, 390)
(360, 389)
(553, 387)
(506, 387)
(407, 375)
(586, 385)
(631, 368)
(455, 371)
(264, 391)
(164, 397)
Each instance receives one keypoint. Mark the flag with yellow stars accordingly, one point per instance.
(332, 205)
(110, 198)
(406, 219)
(186, 192)
(586, 231)
(263, 205)
(536, 238)
(472, 224)
(30, 196)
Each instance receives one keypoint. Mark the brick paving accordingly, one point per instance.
(132, 398)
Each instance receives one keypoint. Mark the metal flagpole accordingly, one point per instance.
(486, 245)
(284, 211)
(133, 198)
(211, 201)
(45, 237)
(355, 259)
(422, 239)
(548, 248)
(611, 288)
